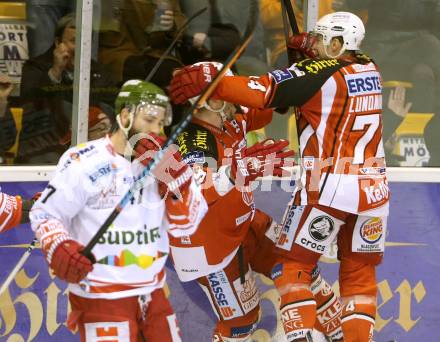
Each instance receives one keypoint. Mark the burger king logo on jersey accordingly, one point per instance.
(371, 231)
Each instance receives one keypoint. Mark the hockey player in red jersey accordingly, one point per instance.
(120, 296)
(14, 210)
(343, 193)
(10, 211)
(234, 239)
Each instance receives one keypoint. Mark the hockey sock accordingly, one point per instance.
(298, 312)
(358, 322)
(328, 310)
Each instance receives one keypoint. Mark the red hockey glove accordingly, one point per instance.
(171, 172)
(302, 43)
(262, 159)
(67, 261)
(10, 211)
(146, 148)
(190, 81)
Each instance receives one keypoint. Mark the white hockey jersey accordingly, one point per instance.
(89, 182)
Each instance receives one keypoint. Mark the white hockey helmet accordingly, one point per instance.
(341, 24)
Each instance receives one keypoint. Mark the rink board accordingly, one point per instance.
(35, 306)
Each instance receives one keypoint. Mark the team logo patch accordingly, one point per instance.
(321, 228)
(366, 83)
(371, 231)
(194, 157)
(281, 75)
(369, 235)
(276, 272)
(309, 163)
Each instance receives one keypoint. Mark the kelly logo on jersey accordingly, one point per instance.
(377, 193)
(366, 83)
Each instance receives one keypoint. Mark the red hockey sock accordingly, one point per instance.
(358, 322)
(298, 312)
(329, 309)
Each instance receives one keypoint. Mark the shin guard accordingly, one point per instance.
(358, 322)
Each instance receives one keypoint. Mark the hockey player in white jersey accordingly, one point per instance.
(120, 296)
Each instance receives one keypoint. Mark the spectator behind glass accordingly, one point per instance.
(215, 34)
(7, 124)
(401, 39)
(43, 16)
(131, 46)
(208, 36)
(47, 92)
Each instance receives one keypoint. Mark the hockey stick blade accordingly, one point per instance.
(170, 47)
(18, 267)
(138, 184)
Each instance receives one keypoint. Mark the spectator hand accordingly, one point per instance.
(167, 20)
(199, 39)
(190, 81)
(396, 102)
(61, 57)
(302, 43)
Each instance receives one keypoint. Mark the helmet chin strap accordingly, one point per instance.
(126, 130)
(220, 112)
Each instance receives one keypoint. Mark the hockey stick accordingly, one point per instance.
(138, 184)
(292, 19)
(290, 22)
(18, 267)
(176, 38)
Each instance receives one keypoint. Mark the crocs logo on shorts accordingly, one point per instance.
(372, 230)
(321, 228)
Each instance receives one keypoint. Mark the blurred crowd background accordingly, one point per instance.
(37, 51)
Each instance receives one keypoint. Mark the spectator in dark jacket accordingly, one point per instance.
(47, 93)
(7, 124)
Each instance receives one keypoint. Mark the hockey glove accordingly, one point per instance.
(190, 81)
(171, 172)
(303, 44)
(146, 148)
(10, 211)
(262, 159)
(67, 262)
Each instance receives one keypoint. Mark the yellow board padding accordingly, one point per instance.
(394, 84)
(293, 134)
(12, 10)
(414, 124)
